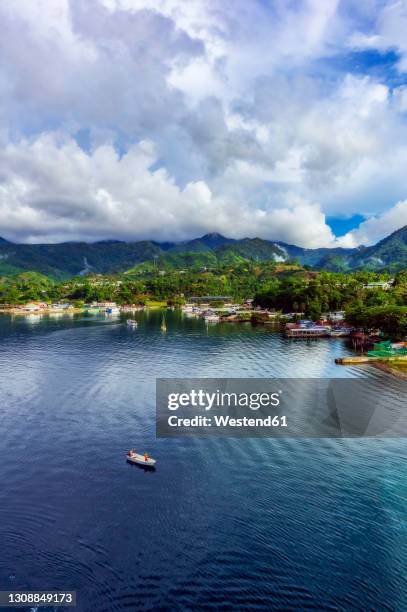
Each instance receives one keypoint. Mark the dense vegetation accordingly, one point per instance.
(136, 286)
(390, 319)
(316, 293)
(367, 308)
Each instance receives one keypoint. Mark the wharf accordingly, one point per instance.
(366, 359)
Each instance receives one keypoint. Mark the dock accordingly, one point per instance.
(356, 359)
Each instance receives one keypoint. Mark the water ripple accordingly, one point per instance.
(252, 523)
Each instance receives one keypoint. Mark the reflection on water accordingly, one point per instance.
(262, 523)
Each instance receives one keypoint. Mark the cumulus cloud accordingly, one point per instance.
(378, 227)
(130, 119)
(53, 190)
(81, 66)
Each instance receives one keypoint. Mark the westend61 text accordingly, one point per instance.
(227, 421)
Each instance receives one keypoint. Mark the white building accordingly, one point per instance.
(380, 285)
(337, 315)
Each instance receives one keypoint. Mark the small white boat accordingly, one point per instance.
(212, 319)
(338, 332)
(132, 323)
(143, 460)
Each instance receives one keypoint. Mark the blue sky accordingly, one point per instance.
(342, 225)
(273, 118)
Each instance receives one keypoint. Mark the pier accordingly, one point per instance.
(366, 359)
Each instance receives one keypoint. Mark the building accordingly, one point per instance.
(207, 299)
(103, 305)
(336, 315)
(61, 306)
(380, 285)
(32, 307)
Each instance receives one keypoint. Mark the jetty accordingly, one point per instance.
(356, 359)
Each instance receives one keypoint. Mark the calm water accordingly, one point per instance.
(258, 523)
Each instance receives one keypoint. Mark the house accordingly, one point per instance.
(103, 304)
(385, 285)
(34, 306)
(336, 315)
(31, 307)
(61, 306)
(206, 299)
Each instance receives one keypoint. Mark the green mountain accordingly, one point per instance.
(389, 253)
(209, 242)
(254, 249)
(78, 258)
(72, 258)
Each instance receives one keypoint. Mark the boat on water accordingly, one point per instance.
(193, 312)
(338, 332)
(308, 331)
(112, 310)
(212, 318)
(132, 323)
(143, 460)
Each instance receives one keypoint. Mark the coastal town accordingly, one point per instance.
(369, 344)
(366, 310)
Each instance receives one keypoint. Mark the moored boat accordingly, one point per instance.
(308, 331)
(212, 318)
(113, 310)
(338, 332)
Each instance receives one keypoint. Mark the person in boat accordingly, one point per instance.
(131, 452)
(146, 457)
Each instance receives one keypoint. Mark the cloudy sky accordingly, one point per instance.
(168, 119)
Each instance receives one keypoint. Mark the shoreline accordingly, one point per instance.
(73, 310)
(393, 371)
(18, 311)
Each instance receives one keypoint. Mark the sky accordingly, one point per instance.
(168, 119)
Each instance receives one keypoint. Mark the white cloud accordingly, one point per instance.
(51, 189)
(376, 228)
(127, 118)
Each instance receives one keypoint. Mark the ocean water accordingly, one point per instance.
(260, 524)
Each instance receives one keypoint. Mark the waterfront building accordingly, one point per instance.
(380, 285)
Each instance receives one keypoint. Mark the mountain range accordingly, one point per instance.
(68, 259)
